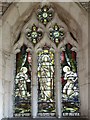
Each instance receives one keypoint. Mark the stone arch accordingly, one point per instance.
(76, 28)
(23, 17)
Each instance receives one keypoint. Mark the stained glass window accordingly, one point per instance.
(69, 77)
(46, 70)
(46, 82)
(45, 14)
(56, 33)
(23, 83)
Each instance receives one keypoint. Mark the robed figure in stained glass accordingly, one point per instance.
(69, 77)
(23, 83)
(46, 82)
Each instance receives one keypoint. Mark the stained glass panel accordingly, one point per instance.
(34, 34)
(46, 85)
(45, 14)
(23, 83)
(69, 77)
(56, 34)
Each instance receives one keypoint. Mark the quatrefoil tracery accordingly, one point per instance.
(56, 32)
(45, 15)
(34, 34)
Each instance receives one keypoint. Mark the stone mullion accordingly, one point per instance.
(1, 87)
(57, 84)
(34, 85)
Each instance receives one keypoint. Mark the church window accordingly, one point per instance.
(51, 70)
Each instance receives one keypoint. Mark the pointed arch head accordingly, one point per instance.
(22, 41)
(29, 13)
(69, 39)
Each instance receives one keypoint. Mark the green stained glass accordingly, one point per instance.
(23, 83)
(46, 85)
(69, 77)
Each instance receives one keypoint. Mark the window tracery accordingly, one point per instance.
(56, 34)
(45, 14)
(46, 70)
(34, 34)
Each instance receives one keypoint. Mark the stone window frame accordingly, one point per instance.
(45, 40)
(34, 86)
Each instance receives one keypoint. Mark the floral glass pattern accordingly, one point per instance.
(69, 77)
(56, 34)
(23, 83)
(45, 14)
(46, 85)
(34, 34)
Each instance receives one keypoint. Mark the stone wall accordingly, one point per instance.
(89, 59)
(1, 84)
(17, 15)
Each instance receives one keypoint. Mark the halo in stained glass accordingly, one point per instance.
(69, 77)
(45, 14)
(34, 34)
(56, 33)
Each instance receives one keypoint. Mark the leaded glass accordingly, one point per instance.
(46, 84)
(56, 33)
(45, 14)
(23, 83)
(69, 77)
(34, 34)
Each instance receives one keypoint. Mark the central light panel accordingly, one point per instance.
(46, 82)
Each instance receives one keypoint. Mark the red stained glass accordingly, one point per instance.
(29, 57)
(73, 55)
(69, 46)
(62, 79)
(63, 57)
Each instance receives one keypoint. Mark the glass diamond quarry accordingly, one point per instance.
(34, 34)
(56, 34)
(45, 14)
